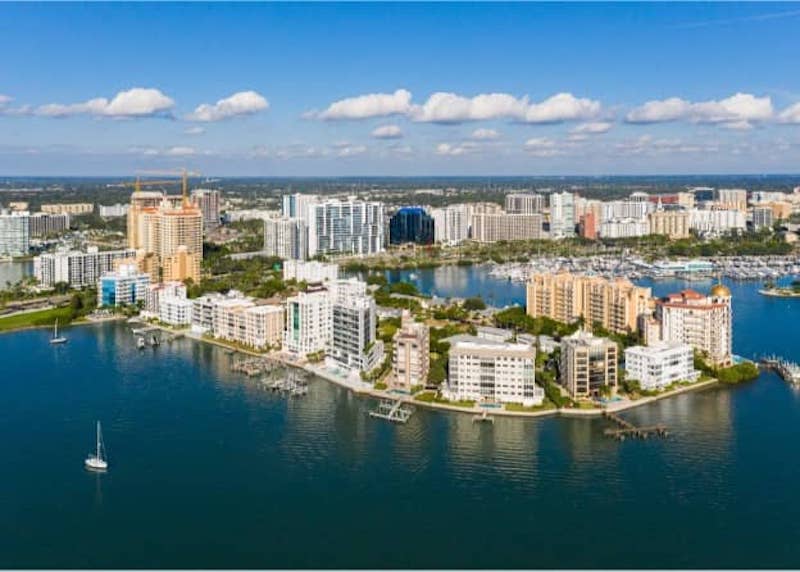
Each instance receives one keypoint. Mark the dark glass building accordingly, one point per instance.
(411, 224)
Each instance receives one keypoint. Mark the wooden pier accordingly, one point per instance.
(253, 366)
(483, 418)
(628, 429)
(392, 411)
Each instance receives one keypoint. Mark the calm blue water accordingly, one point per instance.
(14, 272)
(209, 470)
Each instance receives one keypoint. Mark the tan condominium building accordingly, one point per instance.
(173, 235)
(588, 363)
(496, 227)
(411, 359)
(674, 224)
(68, 208)
(241, 321)
(615, 304)
(703, 322)
(732, 199)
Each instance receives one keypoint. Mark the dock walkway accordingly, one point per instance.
(628, 429)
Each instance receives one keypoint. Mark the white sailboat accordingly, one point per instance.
(96, 462)
(56, 339)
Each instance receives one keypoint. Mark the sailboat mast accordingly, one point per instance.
(98, 440)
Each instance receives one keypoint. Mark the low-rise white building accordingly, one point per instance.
(499, 372)
(310, 272)
(123, 287)
(175, 310)
(659, 365)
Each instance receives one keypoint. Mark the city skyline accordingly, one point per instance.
(385, 89)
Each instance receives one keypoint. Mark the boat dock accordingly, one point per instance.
(788, 370)
(628, 429)
(295, 384)
(392, 411)
(254, 366)
(483, 418)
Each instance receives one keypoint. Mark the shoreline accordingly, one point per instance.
(364, 389)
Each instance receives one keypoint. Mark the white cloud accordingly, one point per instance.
(445, 107)
(562, 107)
(136, 102)
(241, 103)
(365, 106)
(648, 145)
(543, 147)
(485, 135)
(195, 130)
(5, 100)
(737, 111)
(791, 114)
(180, 151)
(592, 128)
(387, 132)
(455, 149)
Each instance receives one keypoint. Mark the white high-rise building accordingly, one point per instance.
(308, 322)
(296, 205)
(14, 233)
(76, 268)
(703, 322)
(497, 227)
(349, 227)
(562, 215)
(715, 221)
(624, 228)
(525, 203)
(124, 286)
(659, 365)
(354, 320)
(44, 224)
(500, 372)
(451, 224)
(285, 238)
(310, 271)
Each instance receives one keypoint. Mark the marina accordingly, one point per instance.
(393, 411)
(788, 370)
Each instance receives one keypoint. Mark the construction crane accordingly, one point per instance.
(183, 174)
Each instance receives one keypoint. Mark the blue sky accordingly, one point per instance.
(399, 89)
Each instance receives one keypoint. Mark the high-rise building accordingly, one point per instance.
(296, 205)
(714, 221)
(285, 238)
(672, 223)
(46, 224)
(489, 371)
(14, 233)
(411, 358)
(763, 217)
(623, 228)
(411, 224)
(496, 227)
(349, 227)
(660, 365)
(308, 322)
(207, 200)
(587, 226)
(562, 215)
(78, 269)
(732, 199)
(524, 203)
(703, 322)
(588, 364)
(354, 320)
(614, 304)
(124, 286)
(68, 208)
(112, 211)
(162, 229)
(451, 224)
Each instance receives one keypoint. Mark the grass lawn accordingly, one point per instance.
(40, 318)
(531, 409)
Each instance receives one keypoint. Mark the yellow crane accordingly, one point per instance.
(183, 174)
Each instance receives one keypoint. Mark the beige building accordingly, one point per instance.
(703, 322)
(171, 231)
(411, 360)
(68, 208)
(240, 320)
(732, 199)
(588, 363)
(496, 227)
(674, 224)
(615, 304)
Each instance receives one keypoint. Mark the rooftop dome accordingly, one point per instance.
(720, 290)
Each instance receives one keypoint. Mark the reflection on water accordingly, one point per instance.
(12, 272)
(235, 475)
